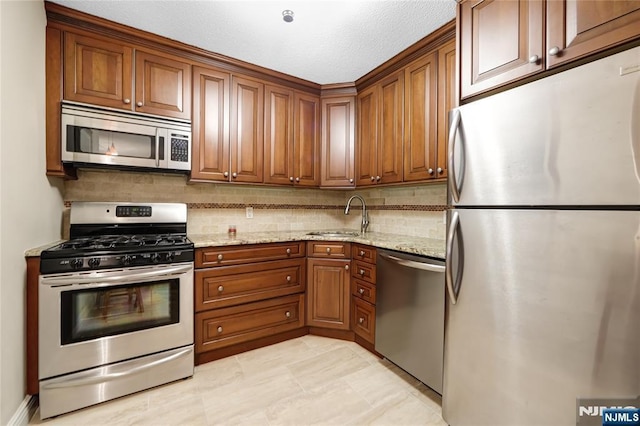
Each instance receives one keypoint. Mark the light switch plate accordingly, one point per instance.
(249, 211)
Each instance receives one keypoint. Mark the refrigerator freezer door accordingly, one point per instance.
(547, 311)
(569, 139)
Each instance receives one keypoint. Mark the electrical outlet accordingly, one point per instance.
(249, 211)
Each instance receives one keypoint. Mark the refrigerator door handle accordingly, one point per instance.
(453, 288)
(453, 131)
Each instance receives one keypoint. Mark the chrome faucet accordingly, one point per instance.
(365, 215)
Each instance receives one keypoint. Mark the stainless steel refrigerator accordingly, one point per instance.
(543, 244)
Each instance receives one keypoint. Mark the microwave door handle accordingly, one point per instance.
(157, 147)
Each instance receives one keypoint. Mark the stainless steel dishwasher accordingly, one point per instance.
(410, 314)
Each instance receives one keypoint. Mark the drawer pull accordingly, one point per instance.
(361, 272)
(288, 278)
(288, 251)
(361, 291)
(329, 250)
(220, 257)
(346, 267)
(287, 314)
(360, 320)
(361, 253)
(220, 289)
(220, 329)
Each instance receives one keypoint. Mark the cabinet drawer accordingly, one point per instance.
(364, 271)
(228, 326)
(363, 319)
(233, 285)
(364, 290)
(220, 256)
(364, 253)
(332, 249)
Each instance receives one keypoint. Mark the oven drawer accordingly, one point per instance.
(335, 249)
(234, 255)
(229, 326)
(233, 285)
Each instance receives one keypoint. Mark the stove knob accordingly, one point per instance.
(155, 258)
(169, 256)
(126, 260)
(94, 262)
(76, 263)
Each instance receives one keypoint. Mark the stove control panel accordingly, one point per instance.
(90, 263)
(133, 211)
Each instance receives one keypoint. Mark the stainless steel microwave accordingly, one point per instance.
(107, 138)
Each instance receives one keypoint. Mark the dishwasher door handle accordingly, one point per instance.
(413, 264)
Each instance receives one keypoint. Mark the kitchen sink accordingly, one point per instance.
(335, 234)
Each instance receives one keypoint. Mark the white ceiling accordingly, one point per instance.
(328, 42)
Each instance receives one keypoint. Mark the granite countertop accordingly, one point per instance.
(415, 245)
(35, 252)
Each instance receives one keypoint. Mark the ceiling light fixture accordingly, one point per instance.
(287, 15)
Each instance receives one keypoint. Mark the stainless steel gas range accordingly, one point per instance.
(115, 305)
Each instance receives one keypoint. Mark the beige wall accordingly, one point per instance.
(213, 207)
(30, 205)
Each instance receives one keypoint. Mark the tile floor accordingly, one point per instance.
(304, 381)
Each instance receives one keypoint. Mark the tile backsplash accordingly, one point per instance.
(404, 210)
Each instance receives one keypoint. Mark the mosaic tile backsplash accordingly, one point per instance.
(404, 210)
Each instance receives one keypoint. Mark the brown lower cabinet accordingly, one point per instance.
(363, 293)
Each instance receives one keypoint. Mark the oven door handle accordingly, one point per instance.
(121, 276)
(109, 373)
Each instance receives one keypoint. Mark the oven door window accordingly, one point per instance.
(109, 311)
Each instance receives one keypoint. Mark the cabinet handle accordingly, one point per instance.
(346, 267)
(290, 178)
(372, 178)
(234, 175)
(288, 278)
(555, 50)
(378, 178)
(360, 320)
(287, 314)
(533, 59)
(226, 174)
(361, 290)
(439, 170)
(288, 251)
(351, 180)
(139, 103)
(220, 289)
(220, 257)
(361, 272)
(220, 329)
(430, 171)
(328, 250)
(127, 101)
(361, 253)
(297, 179)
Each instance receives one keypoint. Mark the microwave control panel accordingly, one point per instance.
(179, 148)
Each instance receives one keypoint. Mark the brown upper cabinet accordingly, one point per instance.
(247, 131)
(338, 137)
(292, 137)
(503, 41)
(380, 129)
(101, 72)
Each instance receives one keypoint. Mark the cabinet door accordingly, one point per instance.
(500, 41)
(328, 291)
(366, 149)
(391, 127)
(577, 28)
(446, 102)
(306, 148)
(247, 109)
(97, 71)
(210, 139)
(364, 319)
(420, 119)
(338, 121)
(278, 138)
(163, 86)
